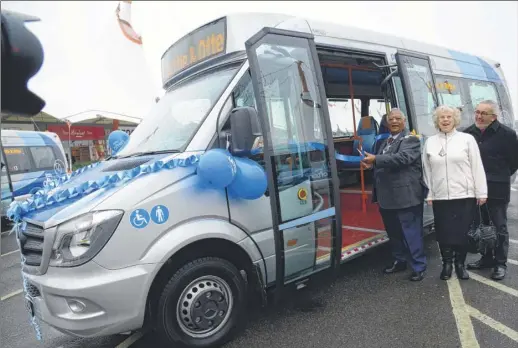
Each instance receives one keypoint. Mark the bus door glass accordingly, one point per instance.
(419, 89)
(420, 94)
(298, 153)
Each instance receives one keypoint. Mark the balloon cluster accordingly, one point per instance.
(242, 177)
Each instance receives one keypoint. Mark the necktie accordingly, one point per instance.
(390, 140)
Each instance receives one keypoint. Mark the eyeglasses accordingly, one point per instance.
(483, 113)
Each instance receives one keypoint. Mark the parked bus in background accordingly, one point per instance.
(31, 159)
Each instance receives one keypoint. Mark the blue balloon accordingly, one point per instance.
(117, 140)
(250, 181)
(217, 168)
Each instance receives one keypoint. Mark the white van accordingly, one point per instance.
(160, 236)
(31, 159)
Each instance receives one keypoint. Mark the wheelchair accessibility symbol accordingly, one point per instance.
(139, 218)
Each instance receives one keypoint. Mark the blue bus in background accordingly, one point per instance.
(30, 160)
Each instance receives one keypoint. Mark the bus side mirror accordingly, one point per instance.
(22, 57)
(244, 127)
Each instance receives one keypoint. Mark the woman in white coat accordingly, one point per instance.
(454, 174)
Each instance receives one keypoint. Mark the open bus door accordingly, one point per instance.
(7, 189)
(419, 90)
(298, 154)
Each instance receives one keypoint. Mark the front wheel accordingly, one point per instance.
(203, 303)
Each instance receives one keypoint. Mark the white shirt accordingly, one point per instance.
(387, 146)
(453, 168)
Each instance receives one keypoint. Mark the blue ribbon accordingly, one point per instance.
(294, 148)
(53, 195)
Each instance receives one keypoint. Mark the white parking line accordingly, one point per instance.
(514, 241)
(512, 262)
(10, 253)
(492, 323)
(494, 284)
(467, 336)
(130, 340)
(12, 294)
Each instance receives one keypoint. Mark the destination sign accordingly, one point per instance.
(203, 43)
(13, 151)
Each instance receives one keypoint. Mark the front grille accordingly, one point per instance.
(31, 242)
(32, 290)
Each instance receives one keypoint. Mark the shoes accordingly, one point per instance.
(417, 276)
(447, 262)
(499, 273)
(460, 269)
(461, 272)
(397, 266)
(447, 269)
(482, 264)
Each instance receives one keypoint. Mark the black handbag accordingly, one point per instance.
(482, 238)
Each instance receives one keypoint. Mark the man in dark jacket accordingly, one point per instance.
(398, 189)
(498, 146)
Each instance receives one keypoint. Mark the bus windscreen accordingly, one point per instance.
(203, 43)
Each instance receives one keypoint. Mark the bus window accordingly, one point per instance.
(377, 109)
(277, 109)
(341, 116)
(18, 159)
(479, 91)
(451, 92)
(6, 186)
(244, 92)
(43, 157)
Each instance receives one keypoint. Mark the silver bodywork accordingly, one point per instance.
(114, 286)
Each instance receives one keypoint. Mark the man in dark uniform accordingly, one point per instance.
(399, 190)
(498, 146)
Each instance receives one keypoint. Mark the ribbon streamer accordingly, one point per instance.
(52, 194)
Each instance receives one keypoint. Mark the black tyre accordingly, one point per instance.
(203, 304)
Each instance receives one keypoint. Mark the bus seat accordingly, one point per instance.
(384, 126)
(384, 130)
(367, 130)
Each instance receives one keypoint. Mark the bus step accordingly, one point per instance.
(301, 284)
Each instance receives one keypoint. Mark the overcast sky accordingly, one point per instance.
(89, 64)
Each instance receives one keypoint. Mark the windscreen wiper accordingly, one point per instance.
(146, 153)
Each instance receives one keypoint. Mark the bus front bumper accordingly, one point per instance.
(89, 300)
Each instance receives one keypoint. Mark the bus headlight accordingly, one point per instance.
(80, 239)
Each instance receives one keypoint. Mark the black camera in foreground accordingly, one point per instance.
(22, 57)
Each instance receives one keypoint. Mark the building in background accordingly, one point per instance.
(84, 136)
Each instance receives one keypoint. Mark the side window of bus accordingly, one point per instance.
(244, 92)
(341, 116)
(18, 159)
(377, 109)
(451, 92)
(507, 116)
(43, 156)
(480, 90)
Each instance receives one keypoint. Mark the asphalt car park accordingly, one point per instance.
(361, 308)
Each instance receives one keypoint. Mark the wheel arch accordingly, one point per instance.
(211, 246)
